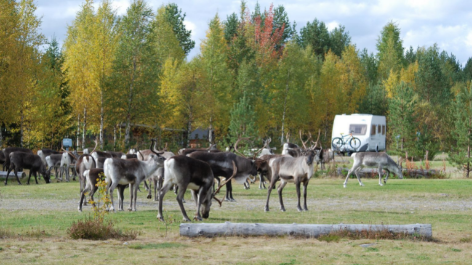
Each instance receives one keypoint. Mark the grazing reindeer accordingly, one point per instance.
(186, 172)
(20, 160)
(54, 161)
(373, 159)
(133, 172)
(8, 150)
(292, 169)
(221, 165)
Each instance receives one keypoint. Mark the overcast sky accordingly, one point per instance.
(422, 22)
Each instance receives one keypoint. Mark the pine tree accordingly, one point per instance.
(401, 118)
(175, 18)
(462, 133)
(390, 50)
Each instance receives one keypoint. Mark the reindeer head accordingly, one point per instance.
(157, 155)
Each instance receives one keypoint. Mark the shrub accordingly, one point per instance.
(96, 227)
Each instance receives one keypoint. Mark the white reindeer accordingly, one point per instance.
(373, 159)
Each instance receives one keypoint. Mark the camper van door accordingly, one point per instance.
(375, 136)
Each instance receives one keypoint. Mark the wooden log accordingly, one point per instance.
(3, 174)
(373, 172)
(302, 230)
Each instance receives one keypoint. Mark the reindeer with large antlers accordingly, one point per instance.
(196, 175)
(292, 169)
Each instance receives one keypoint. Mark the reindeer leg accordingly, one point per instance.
(380, 176)
(386, 178)
(273, 180)
(132, 196)
(347, 177)
(149, 196)
(357, 175)
(297, 186)
(165, 188)
(29, 175)
(35, 174)
(198, 201)
(111, 188)
(179, 198)
(279, 190)
(305, 187)
(8, 173)
(229, 191)
(18, 179)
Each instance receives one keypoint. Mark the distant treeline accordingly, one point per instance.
(255, 76)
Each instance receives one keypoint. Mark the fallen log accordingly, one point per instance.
(373, 172)
(301, 230)
(3, 174)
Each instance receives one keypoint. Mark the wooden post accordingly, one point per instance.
(303, 230)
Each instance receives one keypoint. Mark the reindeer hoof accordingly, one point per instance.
(187, 220)
(149, 197)
(282, 209)
(344, 185)
(380, 184)
(306, 209)
(197, 218)
(266, 209)
(160, 218)
(299, 209)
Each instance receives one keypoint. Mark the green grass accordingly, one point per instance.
(41, 233)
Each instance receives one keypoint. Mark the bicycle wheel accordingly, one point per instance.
(355, 143)
(337, 143)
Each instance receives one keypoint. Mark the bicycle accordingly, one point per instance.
(354, 142)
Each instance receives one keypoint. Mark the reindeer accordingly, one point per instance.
(2, 159)
(8, 150)
(91, 177)
(43, 153)
(292, 169)
(373, 159)
(221, 165)
(186, 151)
(133, 172)
(54, 161)
(20, 160)
(186, 172)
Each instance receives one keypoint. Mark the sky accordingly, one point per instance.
(422, 22)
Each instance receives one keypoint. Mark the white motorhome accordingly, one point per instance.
(370, 129)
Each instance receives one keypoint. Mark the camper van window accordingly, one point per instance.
(383, 129)
(358, 129)
(378, 129)
(372, 131)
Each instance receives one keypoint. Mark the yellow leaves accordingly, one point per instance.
(394, 79)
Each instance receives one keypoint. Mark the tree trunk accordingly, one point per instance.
(127, 131)
(285, 108)
(21, 128)
(78, 131)
(210, 132)
(302, 230)
(1, 136)
(101, 126)
(84, 128)
(114, 138)
(189, 131)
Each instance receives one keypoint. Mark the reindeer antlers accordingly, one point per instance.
(304, 142)
(236, 146)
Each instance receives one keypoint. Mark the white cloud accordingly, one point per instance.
(422, 22)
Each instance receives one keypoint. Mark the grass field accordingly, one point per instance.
(34, 220)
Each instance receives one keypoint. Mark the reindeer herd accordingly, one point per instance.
(196, 169)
